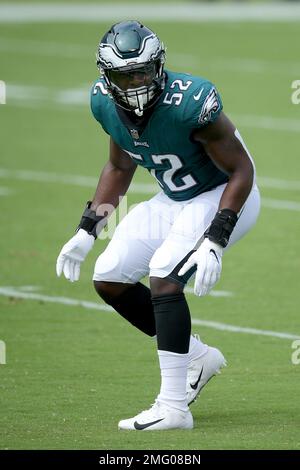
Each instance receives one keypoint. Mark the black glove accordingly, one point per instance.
(89, 220)
(221, 227)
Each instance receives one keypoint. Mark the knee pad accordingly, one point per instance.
(113, 265)
(107, 263)
(168, 260)
(163, 257)
(108, 266)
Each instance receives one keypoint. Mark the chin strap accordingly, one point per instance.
(138, 112)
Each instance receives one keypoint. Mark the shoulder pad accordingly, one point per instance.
(204, 104)
(98, 99)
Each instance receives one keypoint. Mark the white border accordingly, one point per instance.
(168, 12)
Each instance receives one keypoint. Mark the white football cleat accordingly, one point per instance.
(201, 370)
(158, 418)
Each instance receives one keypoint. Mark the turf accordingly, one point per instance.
(73, 373)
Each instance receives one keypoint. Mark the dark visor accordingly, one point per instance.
(133, 77)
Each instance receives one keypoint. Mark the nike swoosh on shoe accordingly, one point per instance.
(140, 427)
(195, 385)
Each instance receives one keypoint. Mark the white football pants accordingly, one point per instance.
(156, 235)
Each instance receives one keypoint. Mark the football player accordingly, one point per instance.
(172, 124)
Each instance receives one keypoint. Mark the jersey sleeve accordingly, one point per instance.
(203, 106)
(97, 103)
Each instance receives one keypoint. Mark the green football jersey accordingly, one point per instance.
(164, 146)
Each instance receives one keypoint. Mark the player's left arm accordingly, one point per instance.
(227, 152)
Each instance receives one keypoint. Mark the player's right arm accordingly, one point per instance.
(113, 183)
(114, 180)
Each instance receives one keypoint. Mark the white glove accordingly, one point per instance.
(73, 253)
(208, 259)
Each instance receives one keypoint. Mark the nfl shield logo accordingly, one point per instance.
(134, 134)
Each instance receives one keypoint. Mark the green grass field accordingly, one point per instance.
(72, 372)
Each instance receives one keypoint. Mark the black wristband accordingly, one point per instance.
(221, 227)
(89, 220)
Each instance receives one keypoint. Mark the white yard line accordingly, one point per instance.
(22, 293)
(190, 61)
(147, 188)
(267, 122)
(239, 329)
(19, 293)
(277, 183)
(30, 95)
(280, 204)
(46, 48)
(48, 177)
(259, 66)
(168, 12)
(5, 191)
(213, 293)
